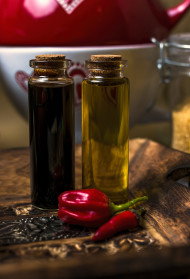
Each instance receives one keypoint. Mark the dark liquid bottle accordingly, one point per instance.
(51, 126)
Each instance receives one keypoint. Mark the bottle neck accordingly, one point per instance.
(101, 74)
(50, 73)
(106, 69)
(51, 68)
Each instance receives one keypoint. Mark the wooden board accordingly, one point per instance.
(35, 244)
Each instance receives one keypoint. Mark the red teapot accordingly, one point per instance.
(86, 22)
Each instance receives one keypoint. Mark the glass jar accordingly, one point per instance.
(174, 67)
(105, 126)
(51, 129)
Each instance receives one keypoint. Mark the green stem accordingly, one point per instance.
(140, 211)
(121, 207)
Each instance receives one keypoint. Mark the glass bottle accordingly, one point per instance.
(51, 129)
(105, 126)
(174, 66)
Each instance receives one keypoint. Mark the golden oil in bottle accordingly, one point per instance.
(105, 127)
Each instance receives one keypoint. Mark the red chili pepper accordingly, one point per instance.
(89, 207)
(121, 222)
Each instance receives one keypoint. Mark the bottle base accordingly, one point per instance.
(44, 207)
(115, 197)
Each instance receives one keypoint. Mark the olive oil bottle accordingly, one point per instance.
(51, 127)
(105, 127)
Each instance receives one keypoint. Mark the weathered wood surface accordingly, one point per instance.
(35, 244)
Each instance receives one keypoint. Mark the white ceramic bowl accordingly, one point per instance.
(142, 72)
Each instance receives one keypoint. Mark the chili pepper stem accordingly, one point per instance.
(121, 207)
(140, 211)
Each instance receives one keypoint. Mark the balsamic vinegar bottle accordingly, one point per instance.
(105, 127)
(51, 130)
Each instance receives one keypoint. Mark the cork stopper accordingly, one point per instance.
(51, 65)
(105, 58)
(50, 57)
(106, 65)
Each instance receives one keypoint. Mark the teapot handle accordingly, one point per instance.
(177, 12)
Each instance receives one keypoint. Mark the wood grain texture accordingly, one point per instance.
(46, 248)
(168, 208)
